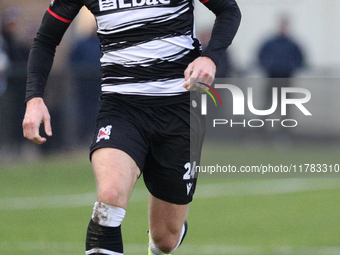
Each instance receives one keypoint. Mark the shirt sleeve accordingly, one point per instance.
(228, 18)
(56, 20)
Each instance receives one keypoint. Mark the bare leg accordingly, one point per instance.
(166, 223)
(115, 173)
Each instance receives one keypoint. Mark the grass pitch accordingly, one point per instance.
(45, 207)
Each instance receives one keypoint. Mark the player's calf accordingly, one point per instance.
(167, 243)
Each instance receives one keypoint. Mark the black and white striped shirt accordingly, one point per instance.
(146, 44)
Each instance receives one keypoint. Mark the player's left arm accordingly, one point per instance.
(228, 18)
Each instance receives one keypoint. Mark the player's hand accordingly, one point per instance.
(202, 69)
(36, 113)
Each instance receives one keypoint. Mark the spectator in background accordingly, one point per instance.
(11, 110)
(85, 65)
(280, 57)
(3, 84)
(3, 64)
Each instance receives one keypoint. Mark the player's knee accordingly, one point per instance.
(111, 196)
(166, 243)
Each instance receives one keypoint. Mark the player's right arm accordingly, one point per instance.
(55, 22)
(36, 113)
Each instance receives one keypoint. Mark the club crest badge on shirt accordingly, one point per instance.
(104, 133)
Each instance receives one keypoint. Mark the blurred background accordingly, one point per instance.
(46, 192)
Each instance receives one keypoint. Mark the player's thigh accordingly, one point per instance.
(116, 173)
(166, 218)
